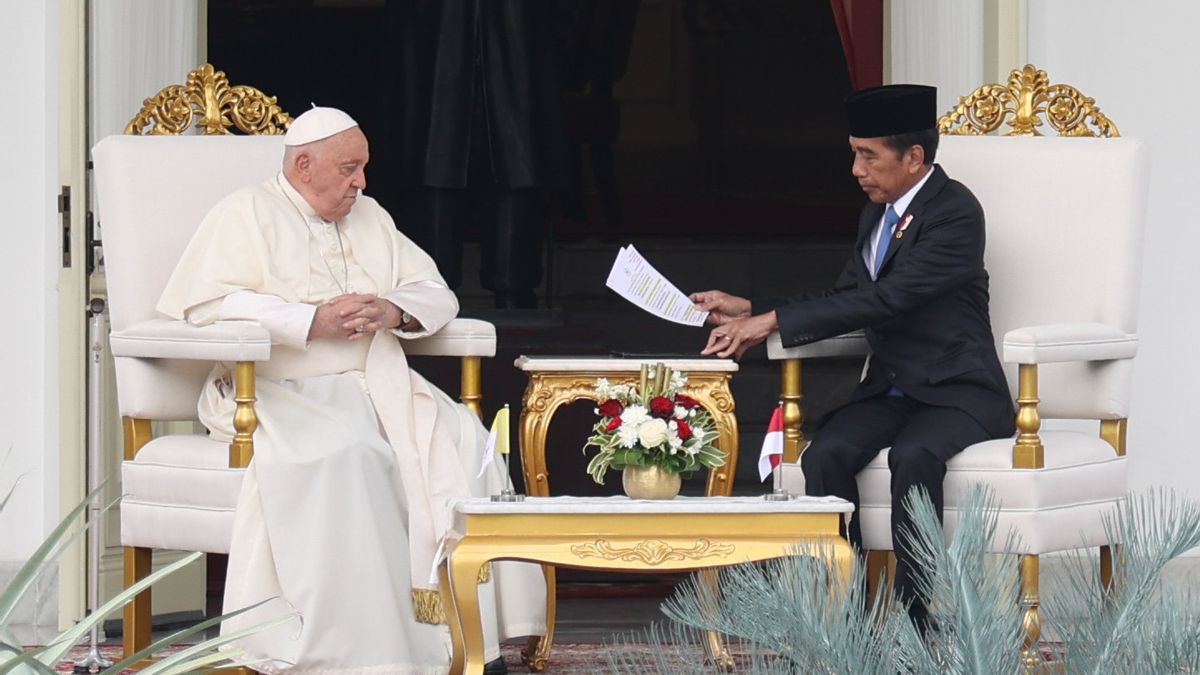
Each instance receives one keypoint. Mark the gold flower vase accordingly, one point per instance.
(650, 482)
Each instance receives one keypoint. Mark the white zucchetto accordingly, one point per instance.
(317, 124)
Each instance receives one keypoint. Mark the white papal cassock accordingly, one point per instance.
(355, 454)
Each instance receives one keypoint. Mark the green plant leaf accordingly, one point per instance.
(53, 653)
(11, 490)
(24, 578)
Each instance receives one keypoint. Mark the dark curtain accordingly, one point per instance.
(860, 26)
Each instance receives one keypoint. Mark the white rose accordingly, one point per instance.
(652, 433)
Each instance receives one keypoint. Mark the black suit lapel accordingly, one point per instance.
(913, 215)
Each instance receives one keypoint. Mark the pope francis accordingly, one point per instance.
(356, 455)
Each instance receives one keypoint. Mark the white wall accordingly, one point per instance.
(1137, 60)
(29, 346)
(939, 43)
(138, 47)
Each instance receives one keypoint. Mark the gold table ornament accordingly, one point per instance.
(621, 534)
(556, 381)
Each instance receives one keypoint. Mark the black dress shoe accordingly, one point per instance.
(495, 667)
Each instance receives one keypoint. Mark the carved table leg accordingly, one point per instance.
(463, 577)
(453, 620)
(712, 391)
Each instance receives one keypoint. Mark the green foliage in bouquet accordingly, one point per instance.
(795, 618)
(15, 659)
(652, 424)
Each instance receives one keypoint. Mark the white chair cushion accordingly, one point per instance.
(1054, 508)
(180, 494)
(1061, 342)
(169, 339)
(460, 337)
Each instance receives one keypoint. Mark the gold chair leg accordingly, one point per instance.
(137, 611)
(1031, 623)
(470, 385)
(1106, 567)
(877, 573)
(790, 396)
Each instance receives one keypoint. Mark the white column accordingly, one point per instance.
(29, 349)
(138, 47)
(939, 43)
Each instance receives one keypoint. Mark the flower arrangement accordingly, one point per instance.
(652, 424)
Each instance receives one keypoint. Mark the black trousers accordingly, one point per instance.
(922, 439)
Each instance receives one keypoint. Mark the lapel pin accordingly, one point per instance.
(903, 226)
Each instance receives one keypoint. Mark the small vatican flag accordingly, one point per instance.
(497, 440)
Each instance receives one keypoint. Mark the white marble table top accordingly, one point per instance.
(620, 504)
(614, 364)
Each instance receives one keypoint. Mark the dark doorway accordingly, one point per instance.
(729, 119)
(712, 136)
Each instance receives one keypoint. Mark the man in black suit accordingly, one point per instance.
(916, 285)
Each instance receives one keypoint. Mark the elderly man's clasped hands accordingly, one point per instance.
(355, 316)
(736, 329)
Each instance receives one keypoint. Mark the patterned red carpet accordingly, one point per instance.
(567, 658)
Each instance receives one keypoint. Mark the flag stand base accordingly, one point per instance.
(507, 495)
(779, 495)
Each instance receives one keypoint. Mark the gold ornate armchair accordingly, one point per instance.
(1065, 220)
(152, 191)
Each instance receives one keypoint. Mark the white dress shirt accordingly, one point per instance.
(871, 247)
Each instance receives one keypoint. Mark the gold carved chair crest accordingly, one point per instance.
(208, 101)
(1021, 102)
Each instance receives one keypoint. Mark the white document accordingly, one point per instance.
(636, 280)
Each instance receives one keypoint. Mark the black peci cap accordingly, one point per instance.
(891, 109)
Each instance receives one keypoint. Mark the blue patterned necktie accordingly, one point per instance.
(885, 238)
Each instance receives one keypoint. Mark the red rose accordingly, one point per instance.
(661, 406)
(686, 401)
(684, 431)
(611, 408)
(613, 424)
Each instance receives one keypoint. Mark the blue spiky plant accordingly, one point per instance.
(793, 617)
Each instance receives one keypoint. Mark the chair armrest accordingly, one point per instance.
(170, 339)
(460, 337)
(1059, 342)
(850, 344)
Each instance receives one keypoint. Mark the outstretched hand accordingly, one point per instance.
(721, 306)
(735, 336)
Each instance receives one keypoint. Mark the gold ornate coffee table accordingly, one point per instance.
(621, 534)
(558, 380)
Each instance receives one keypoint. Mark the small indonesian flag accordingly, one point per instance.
(497, 440)
(772, 449)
